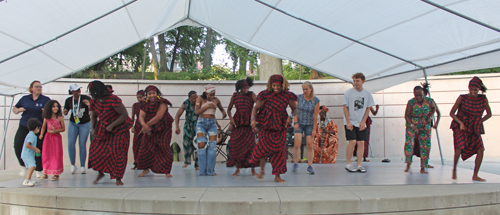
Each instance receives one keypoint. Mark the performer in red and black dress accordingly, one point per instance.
(136, 109)
(110, 126)
(368, 129)
(467, 125)
(270, 113)
(242, 140)
(154, 149)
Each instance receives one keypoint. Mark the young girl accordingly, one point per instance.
(136, 109)
(52, 151)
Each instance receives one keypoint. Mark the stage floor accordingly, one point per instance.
(378, 173)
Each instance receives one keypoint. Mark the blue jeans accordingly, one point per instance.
(307, 129)
(208, 154)
(83, 131)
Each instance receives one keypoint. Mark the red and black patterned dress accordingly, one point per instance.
(154, 149)
(470, 112)
(242, 141)
(367, 141)
(272, 134)
(109, 150)
(136, 108)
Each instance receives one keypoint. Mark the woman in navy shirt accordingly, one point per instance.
(31, 107)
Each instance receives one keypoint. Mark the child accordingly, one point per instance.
(357, 103)
(136, 109)
(29, 150)
(52, 157)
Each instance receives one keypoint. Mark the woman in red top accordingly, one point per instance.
(467, 125)
(242, 139)
(270, 113)
(154, 151)
(110, 126)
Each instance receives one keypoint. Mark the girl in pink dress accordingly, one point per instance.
(52, 151)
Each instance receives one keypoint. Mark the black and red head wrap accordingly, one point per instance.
(152, 88)
(245, 83)
(277, 79)
(475, 82)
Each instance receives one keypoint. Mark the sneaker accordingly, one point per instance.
(310, 170)
(295, 167)
(361, 169)
(39, 174)
(73, 169)
(28, 183)
(22, 171)
(83, 170)
(351, 168)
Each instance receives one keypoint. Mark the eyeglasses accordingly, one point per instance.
(37, 87)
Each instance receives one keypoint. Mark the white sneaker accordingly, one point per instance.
(39, 174)
(28, 183)
(73, 169)
(83, 170)
(351, 168)
(22, 171)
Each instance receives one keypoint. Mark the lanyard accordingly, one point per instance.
(75, 112)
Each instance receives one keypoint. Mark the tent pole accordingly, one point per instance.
(461, 15)
(5, 130)
(434, 118)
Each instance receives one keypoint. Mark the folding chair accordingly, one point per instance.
(221, 142)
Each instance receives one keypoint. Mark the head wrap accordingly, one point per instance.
(324, 108)
(245, 83)
(151, 88)
(277, 79)
(140, 92)
(209, 88)
(475, 82)
(109, 89)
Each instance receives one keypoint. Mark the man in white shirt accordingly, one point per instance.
(357, 103)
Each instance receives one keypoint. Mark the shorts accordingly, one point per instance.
(29, 162)
(356, 134)
(307, 129)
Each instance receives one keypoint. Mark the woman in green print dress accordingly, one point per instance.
(418, 116)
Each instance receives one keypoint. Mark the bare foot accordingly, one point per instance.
(407, 167)
(422, 170)
(429, 166)
(365, 160)
(119, 182)
(454, 174)
(237, 172)
(168, 175)
(144, 172)
(185, 165)
(98, 178)
(197, 168)
(279, 179)
(133, 168)
(261, 175)
(476, 178)
(254, 173)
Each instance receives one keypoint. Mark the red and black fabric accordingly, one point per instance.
(242, 141)
(367, 141)
(470, 113)
(137, 129)
(154, 150)
(272, 134)
(108, 151)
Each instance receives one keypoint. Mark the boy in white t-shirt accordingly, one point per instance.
(357, 103)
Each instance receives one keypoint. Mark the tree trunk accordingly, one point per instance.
(163, 55)
(316, 75)
(174, 51)
(269, 66)
(144, 59)
(98, 67)
(207, 61)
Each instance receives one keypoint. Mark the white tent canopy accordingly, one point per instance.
(390, 41)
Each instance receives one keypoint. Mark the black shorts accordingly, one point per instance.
(356, 134)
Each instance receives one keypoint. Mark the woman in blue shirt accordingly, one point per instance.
(31, 107)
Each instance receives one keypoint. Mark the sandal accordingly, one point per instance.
(386, 160)
(55, 178)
